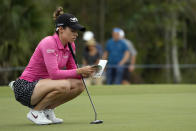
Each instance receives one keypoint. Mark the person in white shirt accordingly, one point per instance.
(131, 61)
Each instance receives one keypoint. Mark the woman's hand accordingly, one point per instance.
(86, 71)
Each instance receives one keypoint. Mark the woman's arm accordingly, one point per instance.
(50, 59)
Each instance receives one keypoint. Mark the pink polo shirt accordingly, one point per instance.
(51, 60)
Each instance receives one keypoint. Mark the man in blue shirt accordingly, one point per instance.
(117, 54)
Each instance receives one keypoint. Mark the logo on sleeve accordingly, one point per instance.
(50, 50)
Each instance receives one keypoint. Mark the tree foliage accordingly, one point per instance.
(147, 23)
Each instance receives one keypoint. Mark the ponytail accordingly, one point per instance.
(57, 13)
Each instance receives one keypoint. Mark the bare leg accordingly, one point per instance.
(49, 94)
(47, 90)
(49, 99)
(77, 88)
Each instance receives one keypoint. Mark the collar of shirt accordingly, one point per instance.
(59, 43)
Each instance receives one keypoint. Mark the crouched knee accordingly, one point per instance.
(64, 87)
(80, 86)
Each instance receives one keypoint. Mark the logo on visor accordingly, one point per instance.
(74, 19)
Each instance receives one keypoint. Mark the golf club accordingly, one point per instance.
(95, 121)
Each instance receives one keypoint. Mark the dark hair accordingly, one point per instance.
(59, 11)
(66, 20)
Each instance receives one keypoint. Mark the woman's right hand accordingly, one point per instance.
(86, 71)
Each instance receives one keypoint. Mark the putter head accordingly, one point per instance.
(97, 122)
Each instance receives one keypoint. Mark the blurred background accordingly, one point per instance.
(162, 31)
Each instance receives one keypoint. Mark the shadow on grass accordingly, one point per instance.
(32, 125)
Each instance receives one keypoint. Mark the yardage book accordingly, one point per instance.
(102, 64)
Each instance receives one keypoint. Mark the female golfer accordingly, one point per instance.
(51, 78)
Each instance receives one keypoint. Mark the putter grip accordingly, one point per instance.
(70, 48)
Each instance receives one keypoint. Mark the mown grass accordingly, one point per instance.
(123, 108)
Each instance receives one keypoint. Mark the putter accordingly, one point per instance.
(95, 121)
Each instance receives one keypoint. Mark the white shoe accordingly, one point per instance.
(38, 117)
(49, 113)
(11, 85)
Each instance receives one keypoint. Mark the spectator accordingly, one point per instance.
(91, 56)
(88, 35)
(130, 64)
(117, 54)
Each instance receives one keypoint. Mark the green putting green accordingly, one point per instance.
(123, 108)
